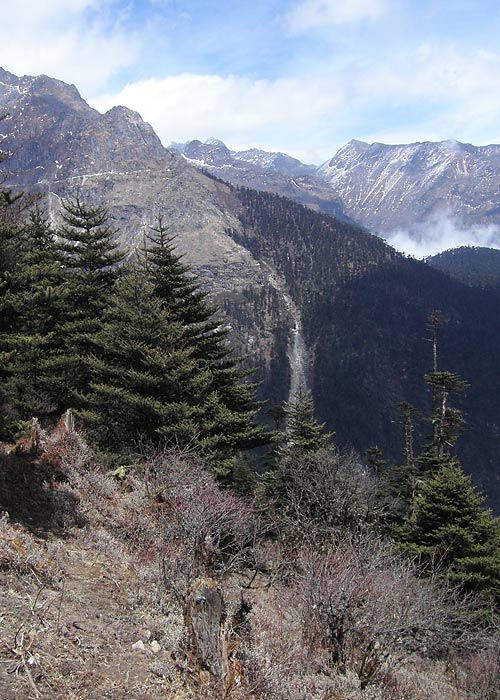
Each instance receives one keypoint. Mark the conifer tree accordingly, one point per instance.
(230, 407)
(7, 313)
(450, 527)
(303, 433)
(446, 420)
(302, 436)
(39, 302)
(11, 212)
(144, 382)
(90, 260)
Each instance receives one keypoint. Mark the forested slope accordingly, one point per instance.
(365, 309)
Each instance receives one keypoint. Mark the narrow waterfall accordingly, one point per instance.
(297, 350)
(297, 354)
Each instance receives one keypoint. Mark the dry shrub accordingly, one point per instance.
(326, 489)
(22, 553)
(276, 662)
(364, 606)
(418, 679)
(274, 655)
(66, 451)
(204, 530)
(478, 675)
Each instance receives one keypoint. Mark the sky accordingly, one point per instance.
(298, 76)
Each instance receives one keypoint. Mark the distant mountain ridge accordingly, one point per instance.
(389, 188)
(263, 170)
(417, 188)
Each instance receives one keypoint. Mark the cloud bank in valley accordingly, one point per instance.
(442, 232)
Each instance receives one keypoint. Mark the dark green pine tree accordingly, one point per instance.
(175, 284)
(229, 403)
(7, 318)
(303, 433)
(451, 528)
(144, 380)
(11, 214)
(446, 423)
(40, 304)
(90, 260)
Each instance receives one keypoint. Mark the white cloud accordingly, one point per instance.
(314, 14)
(438, 93)
(238, 110)
(442, 232)
(81, 41)
(454, 93)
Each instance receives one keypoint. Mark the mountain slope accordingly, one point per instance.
(412, 187)
(364, 309)
(472, 265)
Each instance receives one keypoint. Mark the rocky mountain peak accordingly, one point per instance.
(215, 142)
(211, 152)
(413, 187)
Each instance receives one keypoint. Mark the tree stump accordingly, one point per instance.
(204, 617)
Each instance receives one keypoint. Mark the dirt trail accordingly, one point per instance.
(76, 637)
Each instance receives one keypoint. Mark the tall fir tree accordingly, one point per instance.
(12, 211)
(40, 304)
(90, 260)
(451, 528)
(303, 435)
(230, 407)
(144, 382)
(8, 243)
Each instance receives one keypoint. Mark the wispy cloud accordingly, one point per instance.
(314, 14)
(82, 41)
(429, 93)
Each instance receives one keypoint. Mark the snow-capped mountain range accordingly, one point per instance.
(410, 186)
(426, 190)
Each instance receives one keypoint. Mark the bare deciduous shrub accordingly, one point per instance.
(478, 674)
(204, 530)
(364, 605)
(329, 489)
(66, 451)
(274, 655)
(23, 553)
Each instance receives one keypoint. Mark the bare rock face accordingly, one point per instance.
(390, 188)
(60, 146)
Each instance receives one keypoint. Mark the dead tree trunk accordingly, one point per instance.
(204, 617)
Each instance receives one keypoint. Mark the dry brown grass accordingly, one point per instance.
(108, 562)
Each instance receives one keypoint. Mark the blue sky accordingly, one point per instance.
(299, 76)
